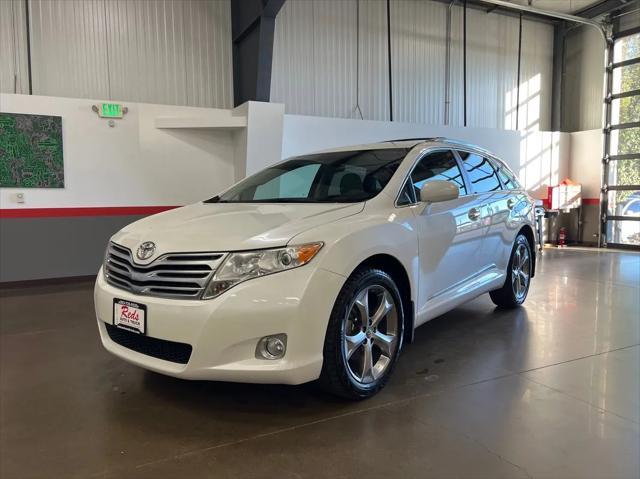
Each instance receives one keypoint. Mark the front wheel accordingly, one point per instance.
(516, 286)
(364, 336)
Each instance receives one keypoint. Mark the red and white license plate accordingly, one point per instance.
(130, 316)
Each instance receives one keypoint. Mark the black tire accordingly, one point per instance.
(507, 296)
(337, 375)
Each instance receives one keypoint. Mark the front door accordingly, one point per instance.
(449, 233)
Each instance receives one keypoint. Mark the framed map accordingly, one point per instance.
(31, 151)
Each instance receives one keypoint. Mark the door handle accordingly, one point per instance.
(474, 214)
(511, 202)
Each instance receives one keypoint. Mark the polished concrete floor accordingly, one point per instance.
(548, 390)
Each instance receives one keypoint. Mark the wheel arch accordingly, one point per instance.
(394, 267)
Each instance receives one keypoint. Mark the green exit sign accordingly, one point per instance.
(111, 110)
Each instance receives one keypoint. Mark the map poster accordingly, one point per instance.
(31, 151)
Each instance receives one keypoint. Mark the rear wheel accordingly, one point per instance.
(364, 336)
(516, 286)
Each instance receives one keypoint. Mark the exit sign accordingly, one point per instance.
(111, 110)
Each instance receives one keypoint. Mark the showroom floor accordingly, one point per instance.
(548, 390)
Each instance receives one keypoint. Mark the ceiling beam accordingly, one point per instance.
(602, 8)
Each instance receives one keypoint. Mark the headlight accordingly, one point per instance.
(239, 267)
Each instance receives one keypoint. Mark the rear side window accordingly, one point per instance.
(481, 173)
(509, 181)
(440, 165)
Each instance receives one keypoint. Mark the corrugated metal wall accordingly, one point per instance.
(583, 80)
(13, 47)
(179, 52)
(69, 48)
(315, 70)
(163, 51)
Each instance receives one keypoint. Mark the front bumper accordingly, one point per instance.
(224, 331)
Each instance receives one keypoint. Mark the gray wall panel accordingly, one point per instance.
(583, 80)
(43, 248)
(69, 48)
(314, 59)
(14, 76)
(209, 71)
(146, 51)
(174, 52)
(418, 47)
(314, 70)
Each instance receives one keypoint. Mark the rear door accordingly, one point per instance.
(448, 232)
(492, 202)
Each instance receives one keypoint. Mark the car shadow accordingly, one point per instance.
(473, 342)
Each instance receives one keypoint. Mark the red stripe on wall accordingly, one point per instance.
(118, 211)
(88, 211)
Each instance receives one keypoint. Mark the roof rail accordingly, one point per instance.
(396, 140)
(443, 139)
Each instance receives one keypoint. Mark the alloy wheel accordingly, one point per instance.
(370, 334)
(521, 272)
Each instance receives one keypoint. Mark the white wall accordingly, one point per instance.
(133, 164)
(169, 52)
(316, 69)
(138, 164)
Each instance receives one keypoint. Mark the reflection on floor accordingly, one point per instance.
(548, 390)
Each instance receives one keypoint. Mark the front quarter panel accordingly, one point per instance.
(349, 242)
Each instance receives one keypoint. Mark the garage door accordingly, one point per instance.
(621, 181)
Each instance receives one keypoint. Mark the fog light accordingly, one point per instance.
(272, 347)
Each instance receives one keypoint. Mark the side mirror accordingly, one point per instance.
(438, 190)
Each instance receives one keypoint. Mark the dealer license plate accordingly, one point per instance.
(130, 316)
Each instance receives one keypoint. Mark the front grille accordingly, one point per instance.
(158, 348)
(173, 275)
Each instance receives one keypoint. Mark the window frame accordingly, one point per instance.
(500, 166)
(491, 159)
(427, 151)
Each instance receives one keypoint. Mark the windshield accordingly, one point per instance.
(338, 177)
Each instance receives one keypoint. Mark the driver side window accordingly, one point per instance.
(440, 165)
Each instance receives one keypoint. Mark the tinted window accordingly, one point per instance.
(508, 179)
(292, 184)
(406, 194)
(441, 165)
(336, 177)
(481, 174)
(348, 172)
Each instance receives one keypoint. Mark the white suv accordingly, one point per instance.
(317, 267)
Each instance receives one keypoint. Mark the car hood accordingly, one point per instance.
(230, 226)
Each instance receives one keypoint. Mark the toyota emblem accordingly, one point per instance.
(146, 250)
